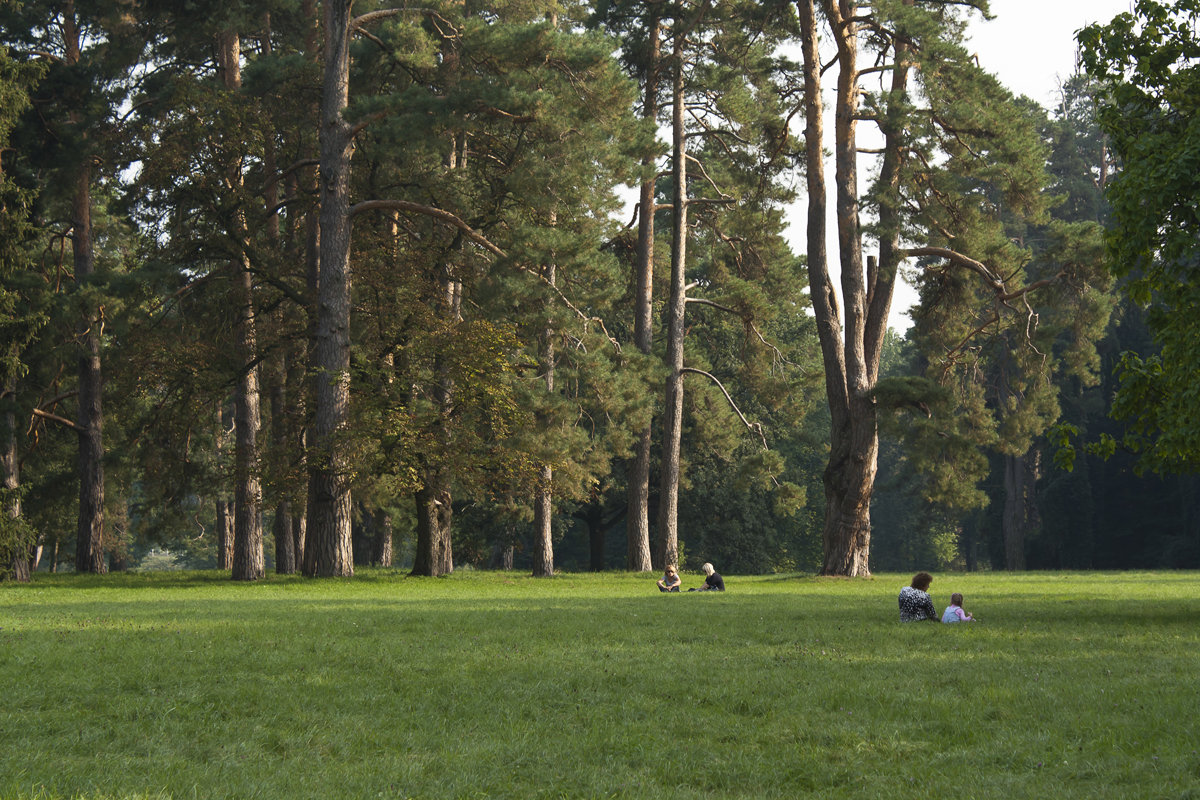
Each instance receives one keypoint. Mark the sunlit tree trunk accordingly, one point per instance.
(637, 524)
(851, 347)
(672, 426)
(248, 559)
(543, 508)
(328, 549)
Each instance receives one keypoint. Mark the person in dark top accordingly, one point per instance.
(915, 603)
(712, 583)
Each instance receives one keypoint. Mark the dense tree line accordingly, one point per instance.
(313, 285)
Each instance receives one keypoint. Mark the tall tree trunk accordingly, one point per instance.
(672, 427)
(381, 539)
(276, 376)
(850, 476)
(89, 532)
(328, 551)
(224, 534)
(501, 557)
(19, 565)
(248, 559)
(637, 524)
(307, 382)
(850, 349)
(1021, 516)
(1014, 512)
(543, 508)
(434, 548)
(434, 556)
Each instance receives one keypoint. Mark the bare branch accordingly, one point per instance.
(368, 35)
(429, 211)
(950, 353)
(880, 68)
(358, 127)
(371, 16)
(283, 173)
(599, 322)
(704, 172)
(37, 412)
(718, 306)
(755, 427)
(961, 260)
(1033, 287)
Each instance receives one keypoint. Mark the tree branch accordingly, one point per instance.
(429, 211)
(37, 412)
(704, 302)
(961, 260)
(755, 427)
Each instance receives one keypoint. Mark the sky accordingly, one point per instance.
(1030, 45)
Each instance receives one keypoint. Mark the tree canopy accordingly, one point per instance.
(311, 285)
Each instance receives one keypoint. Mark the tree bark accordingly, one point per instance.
(89, 532)
(248, 559)
(501, 557)
(543, 508)
(672, 427)
(328, 551)
(19, 566)
(381, 539)
(637, 525)
(224, 534)
(1021, 516)
(434, 546)
(434, 556)
(850, 349)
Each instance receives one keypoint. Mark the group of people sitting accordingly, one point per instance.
(670, 581)
(916, 605)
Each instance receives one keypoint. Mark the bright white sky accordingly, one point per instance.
(1030, 45)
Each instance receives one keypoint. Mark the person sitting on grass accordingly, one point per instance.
(955, 612)
(915, 603)
(712, 583)
(669, 582)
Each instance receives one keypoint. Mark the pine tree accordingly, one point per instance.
(22, 323)
(959, 158)
(90, 51)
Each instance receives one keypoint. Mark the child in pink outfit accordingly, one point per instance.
(955, 611)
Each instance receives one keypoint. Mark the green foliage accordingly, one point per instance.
(20, 318)
(17, 536)
(751, 686)
(1148, 82)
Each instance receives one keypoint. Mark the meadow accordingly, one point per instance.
(493, 685)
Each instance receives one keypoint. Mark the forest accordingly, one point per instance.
(558, 285)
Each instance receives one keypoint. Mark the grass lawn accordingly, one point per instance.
(486, 685)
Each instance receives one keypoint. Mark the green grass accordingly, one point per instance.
(485, 685)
